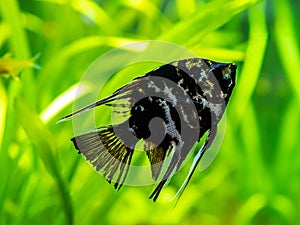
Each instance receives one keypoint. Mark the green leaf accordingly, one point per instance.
(206, 19)
(38, 134)
(45, 145)
(287, 44)
(254, 59)
(3, 109)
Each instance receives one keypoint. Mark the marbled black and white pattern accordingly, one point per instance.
(189, 96)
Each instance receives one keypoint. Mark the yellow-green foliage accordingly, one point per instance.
(255, 178)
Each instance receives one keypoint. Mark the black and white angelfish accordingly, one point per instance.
(189, 96)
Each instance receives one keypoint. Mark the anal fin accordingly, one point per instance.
(156, 155)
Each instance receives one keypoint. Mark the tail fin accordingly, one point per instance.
(107, 153)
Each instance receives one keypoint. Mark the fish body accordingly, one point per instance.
(170, 109)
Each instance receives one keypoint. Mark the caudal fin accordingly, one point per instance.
(107, 153)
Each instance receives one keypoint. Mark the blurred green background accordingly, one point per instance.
(255, 178)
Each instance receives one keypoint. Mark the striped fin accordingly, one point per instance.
(107, 153)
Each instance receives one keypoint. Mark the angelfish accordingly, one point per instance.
(189, 96)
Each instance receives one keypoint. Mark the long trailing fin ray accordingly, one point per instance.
(208, 142)
(119, 94)
(87, 108)
(173, 166)
(112, 161)
(154, 195)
